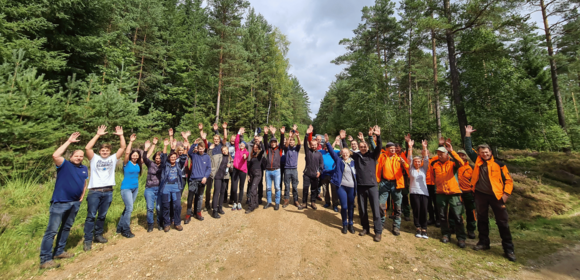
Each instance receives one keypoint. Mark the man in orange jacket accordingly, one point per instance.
(464, 177)
(448, 192)
(492, 185)
(391, 182)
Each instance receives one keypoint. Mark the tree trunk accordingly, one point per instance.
(410, 84)
(141, 70)
(457, 98)
(217, 111)
(553, 68)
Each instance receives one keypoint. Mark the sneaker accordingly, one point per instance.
(100, 239)
(49, 264)
(215, 215)
(221, 211)
(149, 227)
(326, 205)
(128, 234)
(267, 205)
(424, 234)
(87, 246)
(240, 206)
(418, 233)
(335, 208)
(276, 207)
(480, 247)
(445, 239)
(65, 255)
(234, 206)
(510, 256)
(461, 243)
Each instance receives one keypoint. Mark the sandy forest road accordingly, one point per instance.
(287, 243)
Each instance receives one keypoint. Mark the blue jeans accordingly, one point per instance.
(128, 196)
(273, 175)
(97, 202)
(62, 218)
(151, 200)
(172, 200)
(346, 196)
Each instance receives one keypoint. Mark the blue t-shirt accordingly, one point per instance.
(70, 182)
(131, 178)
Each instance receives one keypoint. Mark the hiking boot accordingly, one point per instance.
(424, 234)
(49, 264)
(313, 205)
(277, 206)
(179, 228)
(406, 218)
(480, 247)
(159, 228)
(430, 222)
(298, 205)
(351, 229)
(510, 256)
(65, 255)
(149, 227)
(461, 243)
(363, 232)
(166, 228)
(286, 202)
(344, 230)
(128, 234)
(215, 215)
(267, 205)
(378, 237)
(221, 212)
(100, 239)
(418, 233)
(199, 216)
(187, 219)
(445, 239)
(249, 211)
(87, 245)
(326, 205)
(437, 224)
(396, 231)
(471, 235)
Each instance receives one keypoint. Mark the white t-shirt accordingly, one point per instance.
(102, 171)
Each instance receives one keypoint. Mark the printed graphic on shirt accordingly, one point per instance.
(172, 176)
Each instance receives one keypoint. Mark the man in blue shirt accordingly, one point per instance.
(68, 194)
(200, 172)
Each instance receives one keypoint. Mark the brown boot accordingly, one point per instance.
(179, 228)
(313, 205)
(286, 202)
(377, 237)
(49, 264)
(166, 228)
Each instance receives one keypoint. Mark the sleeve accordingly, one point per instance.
(373, 144)
(190, 151)
(163, 159)
(237, 143)
(146, 161)
(206, 146)
(508, 182)
(343, 143)
(333, 155)
(320, 164)
(469, 149)
(458, 162)
(265, 140)
(377, 148)
(61, 165)
(282, 140)
(425, 166)
(207, 172)
(298, 148)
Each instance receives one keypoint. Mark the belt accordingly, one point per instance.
(103, 189)
(272, 169)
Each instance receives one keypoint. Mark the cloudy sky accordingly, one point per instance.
(314, 28)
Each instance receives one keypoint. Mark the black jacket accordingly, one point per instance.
(314, 162)
(366, 165)
(272, 155)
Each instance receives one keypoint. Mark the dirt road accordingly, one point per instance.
(288, 243)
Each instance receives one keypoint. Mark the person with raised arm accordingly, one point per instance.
(292, 150)
(272, 167)
(220, 164)
(492, 186)
(170, 189)
(132, 167)
(69, 191)
(391, 183)
(344, 176)
(448, 192)
(240, 171)
(464, 177)
(419, 193)
(324, 181)
(432, 204)
(312, 170)
(255, 165)
(152, 197)
(367, 189)
(200, 172)
(101, 183)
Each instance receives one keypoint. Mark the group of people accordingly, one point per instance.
(437, 189)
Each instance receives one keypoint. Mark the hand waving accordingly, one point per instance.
(102, 130)
(133, 137)
(73, 137)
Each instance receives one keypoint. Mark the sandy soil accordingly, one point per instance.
(288, 243)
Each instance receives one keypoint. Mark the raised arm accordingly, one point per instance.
(410, 144)
(454, 157)
(298, 143)
(282, 130)
(467, 143)
(57, 155)
(152, 149)
(171, 137)
(102, 130)
(119, 132)
(377, 148)
(224, 139)
(165, 144)
(132, 139)
(185, 135)
(331, 150)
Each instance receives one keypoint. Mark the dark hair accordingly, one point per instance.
(172, 153)
(106, 146)
(201, 145)
(397, 145)
(139, 160)
(483, 146)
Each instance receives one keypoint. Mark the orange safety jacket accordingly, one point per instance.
(444, 174)
(499, 176)
(394, 165)
(464, 176)
(429, 177)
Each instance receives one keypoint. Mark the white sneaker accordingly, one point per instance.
(239, 206)
(424, 235)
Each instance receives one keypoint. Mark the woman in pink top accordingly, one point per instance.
(240, 171)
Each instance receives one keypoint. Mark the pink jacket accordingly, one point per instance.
(239, 160)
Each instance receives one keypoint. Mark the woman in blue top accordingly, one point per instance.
(170, 188)
(129, 187)
(344, 177)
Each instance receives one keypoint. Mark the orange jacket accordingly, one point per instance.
(464, 176)
(499, 176)
(444, 174)
(429, 177)
(391, 165)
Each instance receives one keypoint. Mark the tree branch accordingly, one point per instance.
(472, 22)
